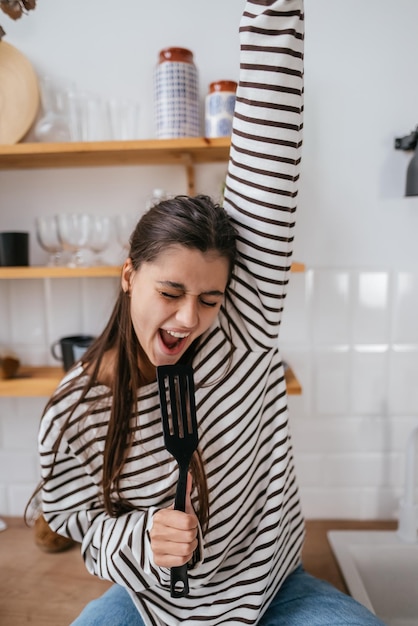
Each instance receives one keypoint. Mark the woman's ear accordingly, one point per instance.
(127, 270)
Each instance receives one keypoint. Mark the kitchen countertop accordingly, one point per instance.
(50, 589)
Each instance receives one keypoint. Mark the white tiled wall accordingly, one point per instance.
(351, 337)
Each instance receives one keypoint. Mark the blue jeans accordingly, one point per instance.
(302, 599)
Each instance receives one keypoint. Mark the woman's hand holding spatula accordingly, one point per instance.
(174, 533)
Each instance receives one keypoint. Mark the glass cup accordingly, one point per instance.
(125, 225)
(74, 230)
(124, 119)
(47, 237)
(100, 236)
(88, 117)
(53, 126)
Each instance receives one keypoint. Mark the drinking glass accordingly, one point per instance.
(124, 118)
(99, 236)
(125, 224)
(47, 237)
(74, 231)
(88, 116)
(53, 125)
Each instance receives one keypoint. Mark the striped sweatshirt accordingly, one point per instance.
(256, 528)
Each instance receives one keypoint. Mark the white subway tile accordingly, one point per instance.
(308, 469)
(27, 322)
(403, 381)
(371, 316)
(405, 310)
(352, 503)
(99, 299)
(369, 373)
(5, 313)
(296, 322)
(67, 305)
(328, 503)
(379, 503)
(20, 434)
(371, 470)
(331, 381)
(350, 434)
(331, 307)
(17, 467)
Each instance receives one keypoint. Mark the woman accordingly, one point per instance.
(206, 286)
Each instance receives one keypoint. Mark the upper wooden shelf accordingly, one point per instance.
(187, 151)
(45, 271)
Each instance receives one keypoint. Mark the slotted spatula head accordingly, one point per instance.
(178, 413)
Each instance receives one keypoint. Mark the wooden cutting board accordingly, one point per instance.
(19, 94)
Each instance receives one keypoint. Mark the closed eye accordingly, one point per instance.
(175, 296)
(210, 304)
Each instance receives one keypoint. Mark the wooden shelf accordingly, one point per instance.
(187, 152)
(43, 271)
(32, 381)
(105, 153)
(103, 271)
(42, 381)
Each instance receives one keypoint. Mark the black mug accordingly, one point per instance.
(72, 349)
(14, 249)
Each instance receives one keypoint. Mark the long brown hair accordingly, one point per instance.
(193, 222)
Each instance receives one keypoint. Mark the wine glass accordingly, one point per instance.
(125, 224)
(74, 231)
(47, 237)
(99, 236)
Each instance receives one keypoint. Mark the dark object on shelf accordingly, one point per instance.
(410, 142)
(14, 249)
(71, 348)
(9, 366)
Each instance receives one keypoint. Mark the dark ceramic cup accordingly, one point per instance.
(71, 349)
(14, 249)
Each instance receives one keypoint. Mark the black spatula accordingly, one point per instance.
(178, 411)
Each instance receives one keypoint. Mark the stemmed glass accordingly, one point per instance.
(99, 236)
(74, 231)
(47, 237)
(125, 224)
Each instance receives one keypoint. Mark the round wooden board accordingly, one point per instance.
(19, 94)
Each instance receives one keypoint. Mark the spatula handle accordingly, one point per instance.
(180, 499)
(179, 578)
(179, 581)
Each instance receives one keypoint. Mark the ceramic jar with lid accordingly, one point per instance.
(219, 108)
(176, 94)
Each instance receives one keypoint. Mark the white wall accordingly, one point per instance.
(350, 328)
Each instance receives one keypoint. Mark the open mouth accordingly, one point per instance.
(172, 340)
